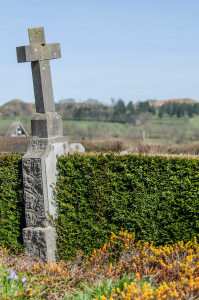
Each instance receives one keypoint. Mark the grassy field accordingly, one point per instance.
(159, 131)
(83, 130)
(173, 131)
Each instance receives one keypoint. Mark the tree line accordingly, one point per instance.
(119, 111)
(96, 111)
(179, 109)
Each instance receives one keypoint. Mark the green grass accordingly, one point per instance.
(11, 283)
(83, 130)
(7, 122)
(103, 287)
(169, 121)
(159, 131)
(195, 122)
(99, 125)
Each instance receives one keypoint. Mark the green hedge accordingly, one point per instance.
(11, 201)
(155, 197)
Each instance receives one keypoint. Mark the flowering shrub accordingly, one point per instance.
(121, 269)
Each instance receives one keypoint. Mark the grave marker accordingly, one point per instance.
(76, 148)
(39, 162)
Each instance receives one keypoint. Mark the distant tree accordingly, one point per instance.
(179, 109)
(112, 101)
(120, 106)
(130, 107)
(146, 107)
(78, 113)
(152, 110)
(160, 113)
(119, 111)
(196, 108)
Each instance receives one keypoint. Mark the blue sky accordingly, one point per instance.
(129, 49)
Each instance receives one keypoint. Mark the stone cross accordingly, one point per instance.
(39, 162)
(39, 53)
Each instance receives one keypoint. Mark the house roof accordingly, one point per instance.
(16, 129)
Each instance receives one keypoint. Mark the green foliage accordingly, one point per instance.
(12, 215)
(146, 107)
(119, 114)
(179, 109)
(96, 111)
(103, 287)
(155, 197)
(11, 285)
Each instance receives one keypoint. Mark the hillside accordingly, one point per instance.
(16, 108)
(159, 103)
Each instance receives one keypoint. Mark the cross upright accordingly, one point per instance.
(39, 53)
(46, 123)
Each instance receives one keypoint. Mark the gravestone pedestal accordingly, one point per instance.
(40, 242)
(39, 177)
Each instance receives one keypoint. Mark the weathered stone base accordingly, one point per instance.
(39, 179)
(40, 242)
(47, 125)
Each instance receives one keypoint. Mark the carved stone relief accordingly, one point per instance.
(35, 242)
(33, 192)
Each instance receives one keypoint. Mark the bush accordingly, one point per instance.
(104, 146)
(12, 215)
(155, 197)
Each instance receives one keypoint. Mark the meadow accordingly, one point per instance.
(165, 130)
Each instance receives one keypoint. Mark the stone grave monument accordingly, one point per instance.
(76, 148)
(39, 162)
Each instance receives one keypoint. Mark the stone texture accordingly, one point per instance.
(39, 54)
(40, 242)
(43, 86)
(76, 148)
(36, 36)
(39, 173)
(47, 125)
(124, 152)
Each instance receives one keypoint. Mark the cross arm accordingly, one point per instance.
(38, 52)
